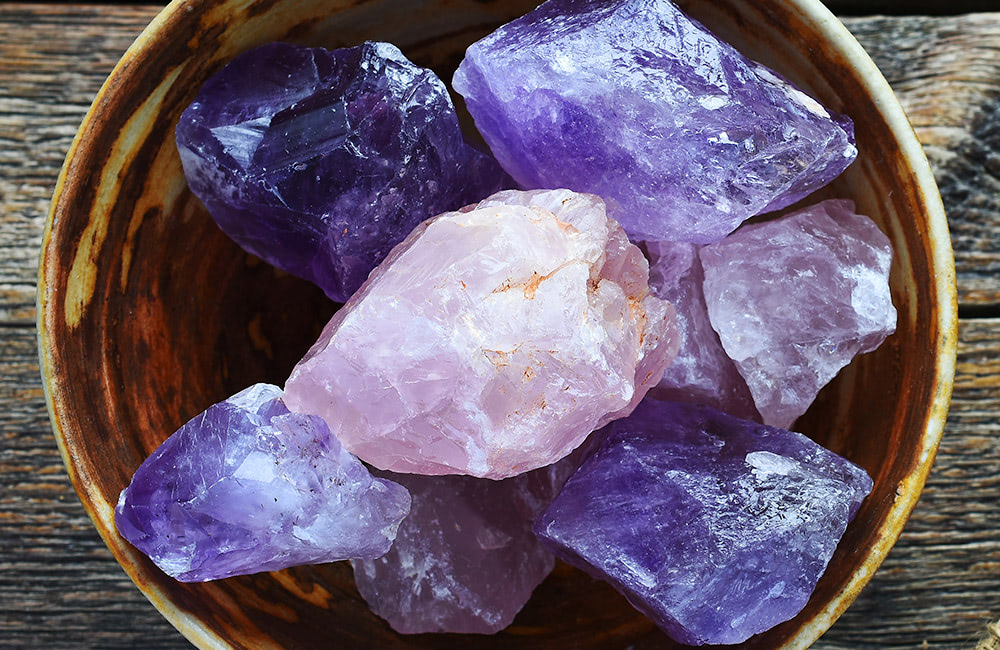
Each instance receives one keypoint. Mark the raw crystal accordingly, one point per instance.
(248, 486)
(794, 299)
(634, 101)
(716, 528)
(492, 341)
(465, 559)
(701, 372)
(321, 161)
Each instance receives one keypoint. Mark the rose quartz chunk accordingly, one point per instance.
(701, 372)
(794, 299)
(491, 341)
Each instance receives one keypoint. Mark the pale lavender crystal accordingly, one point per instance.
(701, 372)
(492, 341)
(634, 101)
(714, 527)
(321, 161)
(796, 298)
(248, 486)
(465, 559)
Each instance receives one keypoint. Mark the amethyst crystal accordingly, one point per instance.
(701, 372)
(716, 528)
(465, 559)
(321, 161)
(794, 299)
(637, 103)
(248, 486)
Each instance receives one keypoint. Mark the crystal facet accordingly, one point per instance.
(796, 298)
(321, 161)
(634, 101)
(465, 559)
(492, 341)
(716, 528)
(248, 486)
(701, 372)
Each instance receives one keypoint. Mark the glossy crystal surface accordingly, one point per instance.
(796, 298)
(492, 341)
(701, 372)
(321, 161)
(465, 559)
(637, 103)
(248, 486)
(714, 527)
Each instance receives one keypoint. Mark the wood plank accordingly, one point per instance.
(49, 74)
(946, 73)
(908, 7)
(59, 585)
(940, 584)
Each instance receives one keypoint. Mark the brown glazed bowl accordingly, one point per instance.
(148, 313)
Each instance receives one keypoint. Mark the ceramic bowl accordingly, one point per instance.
(148, 313)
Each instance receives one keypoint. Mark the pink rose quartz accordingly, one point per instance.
(794, 299)
(491, 341)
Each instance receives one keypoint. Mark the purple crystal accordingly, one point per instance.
(796, 298)
(465, 559)
(716, 528)
(248, 486)
(637, 103)
(321, 161)
(701, 372)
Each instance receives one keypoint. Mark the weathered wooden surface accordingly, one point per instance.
(909, 7)
(59, 586)
(946, 72)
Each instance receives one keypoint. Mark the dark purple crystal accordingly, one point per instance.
(321, 161)
(714, 527)
(248, 486)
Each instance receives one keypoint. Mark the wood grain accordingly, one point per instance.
(59, 586)
(908, 7)
(49, 74)
(945, 72)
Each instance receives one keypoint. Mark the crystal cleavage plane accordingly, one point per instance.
(634, 101)
(247, 486)
(320, 161)
(714, 527)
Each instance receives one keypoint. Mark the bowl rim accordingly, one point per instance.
(942, 266)
(100, 514)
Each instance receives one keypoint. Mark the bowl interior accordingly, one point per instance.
(148, 313)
